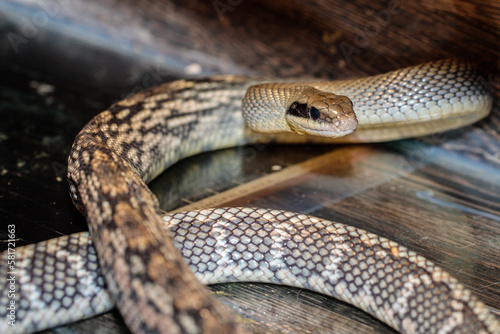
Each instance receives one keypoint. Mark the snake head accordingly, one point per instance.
(321, 114)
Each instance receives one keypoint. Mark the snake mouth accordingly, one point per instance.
(341, 126)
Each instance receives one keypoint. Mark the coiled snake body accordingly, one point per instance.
(124, 147)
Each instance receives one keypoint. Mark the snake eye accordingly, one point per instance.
(314, 112)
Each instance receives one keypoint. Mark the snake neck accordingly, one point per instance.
(265, 105)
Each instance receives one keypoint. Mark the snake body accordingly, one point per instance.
(124, 147)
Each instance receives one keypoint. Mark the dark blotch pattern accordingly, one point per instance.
(303, 110)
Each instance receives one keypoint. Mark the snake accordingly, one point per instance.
(153, 266)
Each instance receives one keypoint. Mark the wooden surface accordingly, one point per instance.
(135, 44)
(438, 195)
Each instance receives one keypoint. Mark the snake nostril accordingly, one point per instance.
(347, 124)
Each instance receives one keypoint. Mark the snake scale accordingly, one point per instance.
(126, 146)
